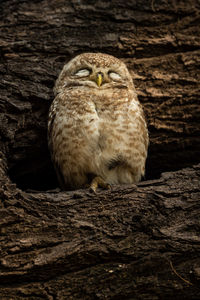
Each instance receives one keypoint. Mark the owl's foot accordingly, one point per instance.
(98, 182)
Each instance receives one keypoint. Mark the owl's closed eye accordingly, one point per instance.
(83, 73)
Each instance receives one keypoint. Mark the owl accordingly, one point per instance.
(97, 134)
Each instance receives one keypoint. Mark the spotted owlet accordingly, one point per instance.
(97, 133)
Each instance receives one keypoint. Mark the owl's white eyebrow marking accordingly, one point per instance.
(82, 73)
(114, 75)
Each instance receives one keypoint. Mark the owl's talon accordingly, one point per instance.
(98, 182)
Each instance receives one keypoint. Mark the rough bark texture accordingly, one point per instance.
(129, 243)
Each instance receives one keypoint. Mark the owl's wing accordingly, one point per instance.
(132, 145)
(52, 115)
(51, 119)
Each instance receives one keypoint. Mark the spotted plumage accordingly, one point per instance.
(96, 125)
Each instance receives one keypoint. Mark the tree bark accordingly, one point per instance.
(128, 243)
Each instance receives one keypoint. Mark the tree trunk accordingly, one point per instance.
(128, 243)
(133, 242)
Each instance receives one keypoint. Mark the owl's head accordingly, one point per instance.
(94, 70)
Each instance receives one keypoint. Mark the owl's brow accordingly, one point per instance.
(99, 61)
(81, 69)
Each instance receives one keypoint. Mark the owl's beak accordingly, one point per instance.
(99, 79)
